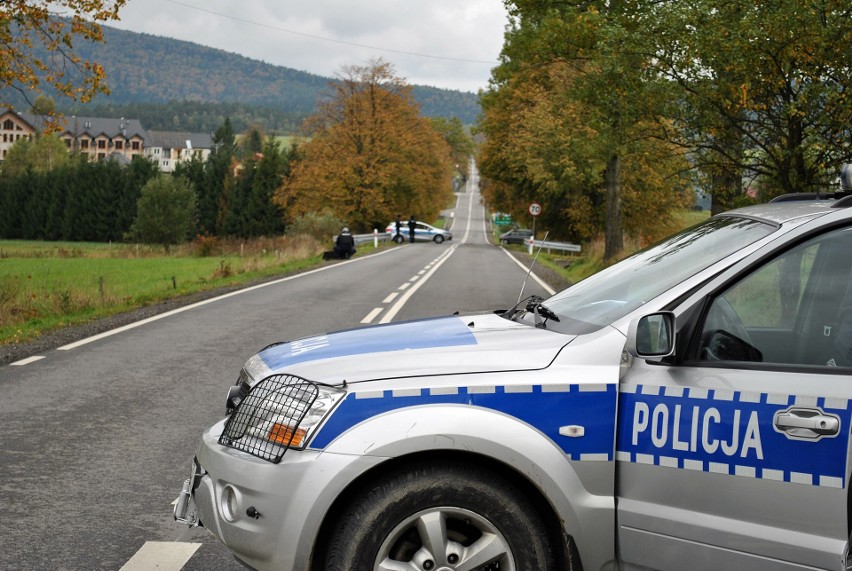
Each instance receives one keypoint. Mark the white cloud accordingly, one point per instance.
(430, 42)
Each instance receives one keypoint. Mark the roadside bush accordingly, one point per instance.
(165, 213)
(322, 226)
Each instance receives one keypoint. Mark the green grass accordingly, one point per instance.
(44, 286)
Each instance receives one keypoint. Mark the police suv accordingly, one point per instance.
(687, 408)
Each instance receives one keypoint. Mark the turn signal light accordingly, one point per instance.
(284, 435)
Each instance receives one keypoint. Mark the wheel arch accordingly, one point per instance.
(567, 549)
(458, 434)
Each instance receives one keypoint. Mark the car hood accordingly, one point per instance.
(436, 346)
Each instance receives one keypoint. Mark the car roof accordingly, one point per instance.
(781, 212)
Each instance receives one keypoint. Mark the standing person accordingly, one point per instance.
(398, 236)
(412, 224)
(344, 246)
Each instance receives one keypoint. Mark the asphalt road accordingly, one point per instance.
(97, 437)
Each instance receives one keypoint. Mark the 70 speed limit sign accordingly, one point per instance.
(535, 209)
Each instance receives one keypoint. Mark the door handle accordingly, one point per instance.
(806, 423)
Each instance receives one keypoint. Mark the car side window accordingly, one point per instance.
(794, 310)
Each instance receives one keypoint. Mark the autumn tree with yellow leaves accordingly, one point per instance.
(54, 27)
(369, 155)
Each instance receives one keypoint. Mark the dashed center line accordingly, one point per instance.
(26, 361)
(425, 273)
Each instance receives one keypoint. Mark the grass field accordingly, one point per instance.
(48, 285)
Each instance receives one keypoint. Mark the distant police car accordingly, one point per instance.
(687, 408)
(422, 233)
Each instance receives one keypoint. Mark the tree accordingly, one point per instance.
(370, 154)
(544, 144)
(570, 122)
(165, 213)
(461, 144)
(218, 180)
(44, 154)
(53, 26)
(763, 90)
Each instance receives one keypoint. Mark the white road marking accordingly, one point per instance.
(372, 315)
(404, 286)
(161, 555)
(93, 338)
(27, 361)
(391, 297)
(391, 313)
(546, 287)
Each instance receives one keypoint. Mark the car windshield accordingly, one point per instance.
(614, 292)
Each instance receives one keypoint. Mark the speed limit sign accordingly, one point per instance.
(535, 208)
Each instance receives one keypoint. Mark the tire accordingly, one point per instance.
(434, 517)
(398, 239)
(438, 239)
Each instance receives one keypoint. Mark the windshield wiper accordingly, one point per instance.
(513, 311)
(539, 310)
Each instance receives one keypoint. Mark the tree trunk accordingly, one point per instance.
(612, 225)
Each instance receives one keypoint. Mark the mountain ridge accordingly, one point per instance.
(146, 69)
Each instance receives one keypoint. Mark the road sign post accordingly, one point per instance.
(535, 210)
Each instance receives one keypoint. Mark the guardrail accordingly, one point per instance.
(375, 238)
(534, 245)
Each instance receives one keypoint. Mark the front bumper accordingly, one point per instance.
(267, 514)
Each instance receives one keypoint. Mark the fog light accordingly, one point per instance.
(228, 504)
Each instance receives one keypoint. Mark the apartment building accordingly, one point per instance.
(169, 148)
(99, 138)
(13, 127)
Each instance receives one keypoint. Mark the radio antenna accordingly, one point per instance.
(532, 265)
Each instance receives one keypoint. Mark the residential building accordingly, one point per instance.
(168, 148)
(14, 127)
(100, 137)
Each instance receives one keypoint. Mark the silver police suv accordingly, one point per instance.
(687, 408)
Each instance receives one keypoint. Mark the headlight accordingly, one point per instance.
(280, 412)
(254, 369)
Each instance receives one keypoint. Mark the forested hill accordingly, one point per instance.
(146, 71)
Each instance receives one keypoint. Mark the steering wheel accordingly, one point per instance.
(721, 317)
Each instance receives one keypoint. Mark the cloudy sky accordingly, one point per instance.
(451, 44)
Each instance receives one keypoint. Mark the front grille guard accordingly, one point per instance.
(254, 425)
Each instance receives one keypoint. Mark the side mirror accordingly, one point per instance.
(652, 336)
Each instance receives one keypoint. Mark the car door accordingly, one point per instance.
(734, 452)
(424, 232)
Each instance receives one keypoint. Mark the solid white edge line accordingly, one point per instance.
(136, 324)
(27, 361)
(162, 555)
(546, 287)
(372, 315)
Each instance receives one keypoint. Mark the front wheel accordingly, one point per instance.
(429, 517)
(438, 239)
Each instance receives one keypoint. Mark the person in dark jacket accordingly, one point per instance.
(397, 237)
(412, 224)
(344, 246)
